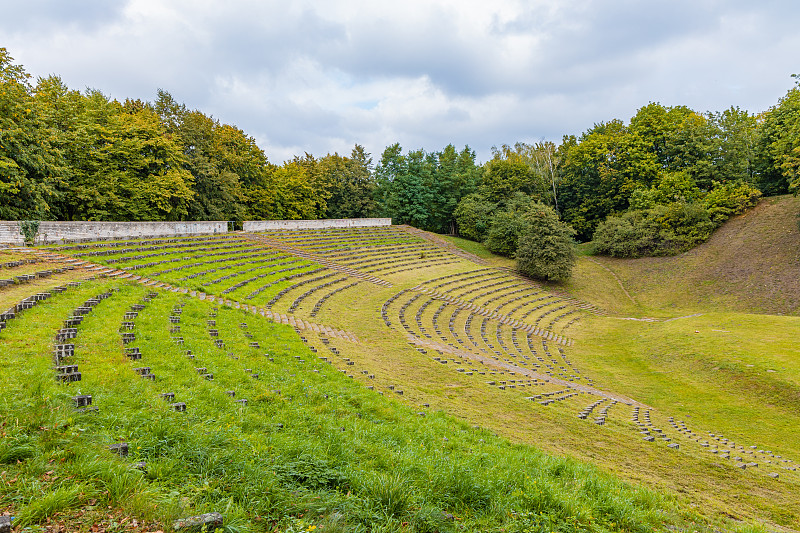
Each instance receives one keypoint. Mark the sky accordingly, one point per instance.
(303, 76)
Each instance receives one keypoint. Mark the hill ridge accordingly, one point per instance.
(750, 264)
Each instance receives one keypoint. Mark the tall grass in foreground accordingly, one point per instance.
(311, 448)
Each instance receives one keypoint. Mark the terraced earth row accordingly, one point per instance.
(349, 293)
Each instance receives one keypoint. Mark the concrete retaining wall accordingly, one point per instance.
(76, 231)
(55, 232)
(265, 225)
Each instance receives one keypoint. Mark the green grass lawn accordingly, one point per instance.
(326, 451)
(311, 448)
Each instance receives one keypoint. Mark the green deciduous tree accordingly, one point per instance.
(473, 217)
(778, 146)
(504, 233)
(283, 193)
(599, 172)
(546, 248)
(507, 225)
(504, 177)
(539, 181)
(734, 145)
(32, 169)
(147, 168)
(350, 184)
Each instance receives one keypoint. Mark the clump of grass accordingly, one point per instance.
(12, 451)
(62, 498)
(116, 480)
(391, 494)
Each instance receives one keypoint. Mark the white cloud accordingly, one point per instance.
(321, 76)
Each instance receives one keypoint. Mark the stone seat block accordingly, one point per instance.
(204, 522)
(73, 321)
(83, 400)
(68, 377)
(119, 448)
(64, 348)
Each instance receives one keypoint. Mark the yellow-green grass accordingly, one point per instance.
(481, 251)
(735, 374)
(615, 447)
(730, 498)
(168, 252)
(12, 255)
(209, 270)
(337, 452)
(676, 372)
(594, 282)
(13, 294)
(751, 264)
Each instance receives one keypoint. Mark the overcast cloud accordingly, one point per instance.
(321, 76)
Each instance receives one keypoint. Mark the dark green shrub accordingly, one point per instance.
(662, 230)
(546, 247)
(726, 200)
(504, 233)
(473, 216)
(29, 229)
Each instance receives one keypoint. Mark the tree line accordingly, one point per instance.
(656, 184)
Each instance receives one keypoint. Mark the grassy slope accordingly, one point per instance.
(557, 431)
(751, 264)
(702, 378)
(343, 457)
(737, 364)
(729, 371)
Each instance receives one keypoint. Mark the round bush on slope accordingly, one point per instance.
(545, 249)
